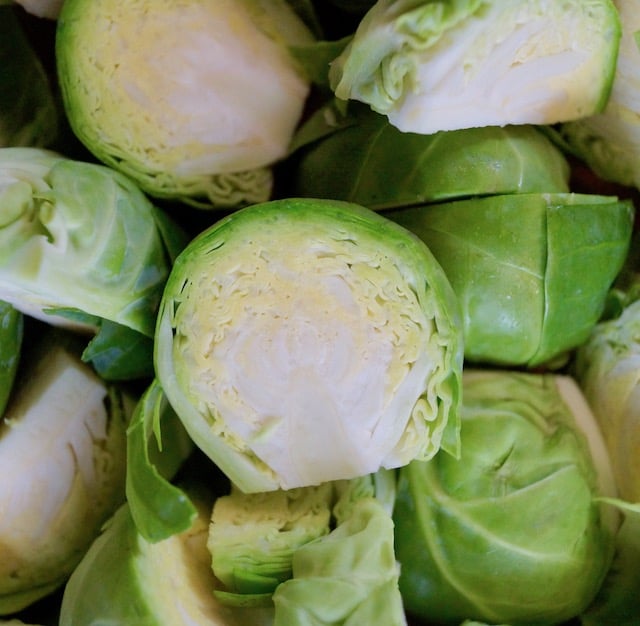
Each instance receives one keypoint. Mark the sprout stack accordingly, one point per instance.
(349, 325)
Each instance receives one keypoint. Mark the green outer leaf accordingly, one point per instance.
(370, 229)
(587, 237)
(348, 577)
(113, 552)
(511, 532)
(11, 337)
(358, 162)
(531, 271)
(175, 238)
(252, 537)
(315, 58)
(120, 353)
(159, 508)
(116, 352)
(335, 115)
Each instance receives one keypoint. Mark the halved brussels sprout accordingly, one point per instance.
(124, 580)
(62, 453)
(609, 141)
(194, 100)
(304, 340)
(80, 236)
(512, 532)
(253, 537)
(531, 271)
(349, 576)
(607, 366)
(432, 66)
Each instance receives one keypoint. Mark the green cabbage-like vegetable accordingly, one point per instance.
(359, 162)
(532, 271)
(76, 235)
(607, 367)
(253, 537)
(193, 100)
(304, 340)
(609, 142)
(512, 532)
(83, 247)
(62, 453)
(125, 580)
(444, 65)
(348, 577)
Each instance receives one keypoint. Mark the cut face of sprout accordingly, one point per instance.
(309, 367)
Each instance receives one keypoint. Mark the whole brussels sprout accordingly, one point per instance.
(531, 271)
(512, 532)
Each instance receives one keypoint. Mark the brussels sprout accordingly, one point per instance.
(194, 100)
(81, 236)
(609, 141)
(347, 577)
(607, 366)
(252, 538)
(11, 335)
(432, 66)
(359, 163)
(511, 532)
(531, 271)
(28, 112)
(124, 580)
(62, 442)
(304, 340)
